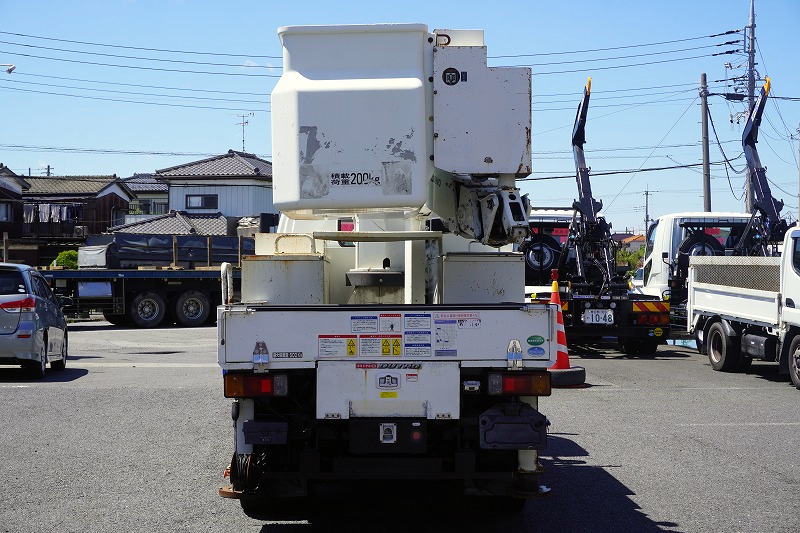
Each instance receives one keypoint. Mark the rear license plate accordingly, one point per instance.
(598, 316)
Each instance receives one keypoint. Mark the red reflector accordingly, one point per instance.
(266, 385)
(528, 384)
(24, 336)
(416, 435)
(27, 304)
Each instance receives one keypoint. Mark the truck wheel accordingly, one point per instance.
(648, 347)
(192, 309)
(794, 361)
(723, 352)
(147, 310)
(541, 256)
(630, 346)
(264, 508)
(117, 320)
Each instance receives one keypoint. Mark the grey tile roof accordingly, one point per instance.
(67, 185)
(178, 223)
(145, 183)
(231, 165)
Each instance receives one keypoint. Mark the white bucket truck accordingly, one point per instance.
(381, 333)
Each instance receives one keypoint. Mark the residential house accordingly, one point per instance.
(180, 223)
(73, 206)
(151, 197)
(634, 243)
(235, 184)
(11, 186)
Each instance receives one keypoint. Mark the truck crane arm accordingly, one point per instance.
(586, 204)
(766, 224)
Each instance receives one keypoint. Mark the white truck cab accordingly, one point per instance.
(682, 235)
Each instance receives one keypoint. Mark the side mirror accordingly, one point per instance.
(65, 301)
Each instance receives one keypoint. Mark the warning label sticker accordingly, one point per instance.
(418, 350)
(337, 345)
(456, 315)
(364, 323)
(446, 337)
(380, 345)
(417, 321)
(391, 322)
(417, 337)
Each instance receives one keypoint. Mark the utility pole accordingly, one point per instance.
(751, 89)
(797, 138)
(704, 122)
(244, 122)
(647, 194)
(49, 168)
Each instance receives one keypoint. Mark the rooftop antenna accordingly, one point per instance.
(244, 122)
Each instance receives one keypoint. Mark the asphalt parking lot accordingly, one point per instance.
(134, 436)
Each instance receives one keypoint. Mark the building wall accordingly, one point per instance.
(104, 212)
(236, 198)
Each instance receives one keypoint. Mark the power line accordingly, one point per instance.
(651, 153)
(729, 32)
(659, 101)
(64, 149)
(18, 73)
(132, 101)
(137, 93)
(137, 67)
(632, 64)
(617, 149)
(692, 84)
(137, 47)
(617, 172)
(629, 56)
(183, 61)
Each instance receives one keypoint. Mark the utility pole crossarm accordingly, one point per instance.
(586, 204)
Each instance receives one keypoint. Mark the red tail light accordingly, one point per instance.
(519, 384)
(26, 305)
(251, 385)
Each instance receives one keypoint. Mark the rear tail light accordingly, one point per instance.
(520, 384)
(26, 305)
(250, 385)
(652, 319)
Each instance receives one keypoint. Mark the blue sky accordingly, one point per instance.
(666, 118)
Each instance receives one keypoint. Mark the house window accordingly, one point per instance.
(5, 212)
(201, 201)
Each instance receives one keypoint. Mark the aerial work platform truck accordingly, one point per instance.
(382, 332)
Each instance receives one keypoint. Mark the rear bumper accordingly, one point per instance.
(588, 330)
(15, 350)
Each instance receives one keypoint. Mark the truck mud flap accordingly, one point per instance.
(513, 426)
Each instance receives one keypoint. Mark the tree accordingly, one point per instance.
(67, 259)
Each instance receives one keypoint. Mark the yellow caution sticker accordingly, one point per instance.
(386, 347)
(658, 332)
(389, 394)
(396, 347)
(351, 347)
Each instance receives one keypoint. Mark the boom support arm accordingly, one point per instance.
(768, 206)
(586, 204)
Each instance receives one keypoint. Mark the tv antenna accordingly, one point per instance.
(244, 122)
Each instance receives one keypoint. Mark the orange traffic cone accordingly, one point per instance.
(561, 373)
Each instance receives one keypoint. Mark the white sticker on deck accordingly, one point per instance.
(364, 324)
(417, 321)
(446, 338)
(391, 322)
(338, 345)
(380, 345)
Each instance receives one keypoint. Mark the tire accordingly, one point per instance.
(37, 369)
(794, 361)
(147, 310)
(541, 253)
(648, 347)
(192, 309)
(117, 320)
(630, 346)
(724, 353)
(745, 363)
(61, 364)
(263, 508)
